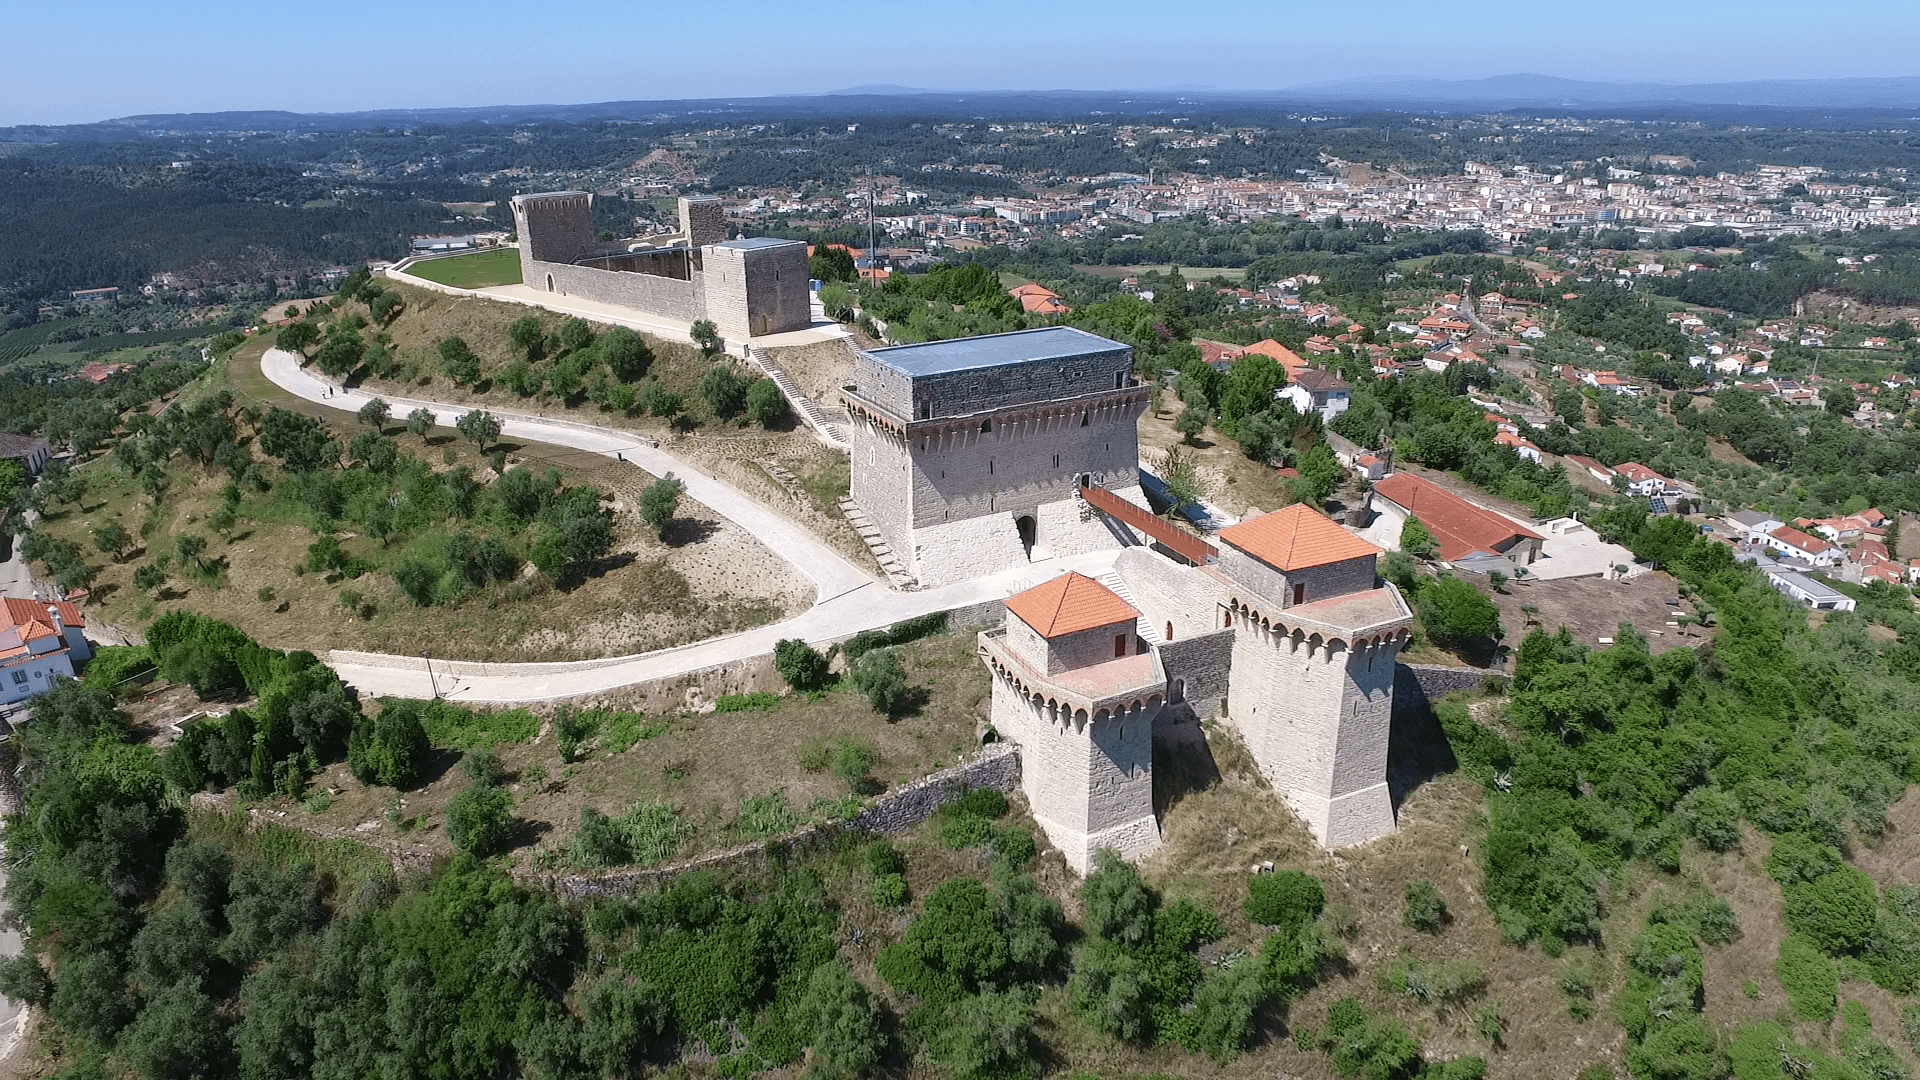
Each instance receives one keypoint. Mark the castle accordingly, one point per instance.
(976, 455)
(969, 455)
(748, 287)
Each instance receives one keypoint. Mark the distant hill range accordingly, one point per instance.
(1537, 91)
(1781, 100)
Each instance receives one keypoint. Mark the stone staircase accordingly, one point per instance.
(1148, 632)
(898, 577)
(830, 431)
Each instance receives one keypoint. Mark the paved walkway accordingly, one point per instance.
(849, 600)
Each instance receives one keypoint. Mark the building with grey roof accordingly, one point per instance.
(1808, 591)
(969, 455)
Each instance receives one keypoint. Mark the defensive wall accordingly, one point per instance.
(996, 766)
(749, 287)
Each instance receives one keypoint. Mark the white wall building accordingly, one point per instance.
(39, 642)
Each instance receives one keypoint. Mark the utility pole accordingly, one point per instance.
(428, 657)
(870, 232)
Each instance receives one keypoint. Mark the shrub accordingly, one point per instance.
(1712, 817)
(842, 1022)
(480, 819)
(1425, 909)
(113, 665)
(1837, 910)
(724, 392)
(1455, 613)
(882, 678)
(1284, 898)
(1117, 906)
(1443, 982)
(391, 748)
(1808, 976)
(659, 502)
(754, 702)
(800, 664)
(1415, 540)
(766, 405)
(889, 891)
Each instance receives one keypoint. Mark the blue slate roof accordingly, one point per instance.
(993, 350)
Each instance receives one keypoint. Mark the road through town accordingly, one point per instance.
(849, 600)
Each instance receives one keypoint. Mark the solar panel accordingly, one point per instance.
(1657, 505)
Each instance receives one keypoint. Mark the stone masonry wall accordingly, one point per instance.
(996, 766)
(1197, 670)
(755, 291)
(1336, 579)
(642, 292)
(1317, 722)
(557, 229)
(882, 481)
(1019, 465)
(703, 219)
(1090, 647)
(1167, 592)
(963, 550)
(1089, 784)
(1418, 686)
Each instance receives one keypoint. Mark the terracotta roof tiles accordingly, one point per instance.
(1295, 538)
(1459, 527)
(1069, 604)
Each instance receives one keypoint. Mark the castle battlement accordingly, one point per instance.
(1078, 690)
(969, 455)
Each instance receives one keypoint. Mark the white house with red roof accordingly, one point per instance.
(38, 643)
(1795, 544)
(1644, 481)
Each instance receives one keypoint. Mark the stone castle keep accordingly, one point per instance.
(977, 455)
(969, 455)
(748, 288)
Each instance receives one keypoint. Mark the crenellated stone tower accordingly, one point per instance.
(1078, 691)
(1316, 633)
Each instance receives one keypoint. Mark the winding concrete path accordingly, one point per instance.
(849, 599)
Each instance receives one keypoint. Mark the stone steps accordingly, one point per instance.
(1148, 632)
(898, 576)
(809, 411)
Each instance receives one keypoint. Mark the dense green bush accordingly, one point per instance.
(1808, 977)
(480, 819)
(1284, 898)
(113, 665)
(1425, 908)
(391, 748)
(800, 664)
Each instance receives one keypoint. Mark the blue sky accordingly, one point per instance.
(74, 62)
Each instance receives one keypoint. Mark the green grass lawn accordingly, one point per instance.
(482, 269)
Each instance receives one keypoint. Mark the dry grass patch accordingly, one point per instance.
(702, 761)
(1230, 479)
(712, 579)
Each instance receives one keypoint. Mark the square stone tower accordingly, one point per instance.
(757, 285)
(968, 455)
(1078, 691)
(554, 226)
(1315, 638)
(703, 219)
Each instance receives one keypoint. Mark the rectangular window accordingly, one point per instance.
(1300, 593)
(1056, 461)
(1119, 644)
(1119, 380)
(19, 678)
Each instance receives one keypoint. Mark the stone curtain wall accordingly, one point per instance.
(997, 766)
(1200, 665)
(642, 292)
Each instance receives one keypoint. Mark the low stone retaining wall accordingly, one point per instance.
(406, 859)
(997, 766)
(1418, 686)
